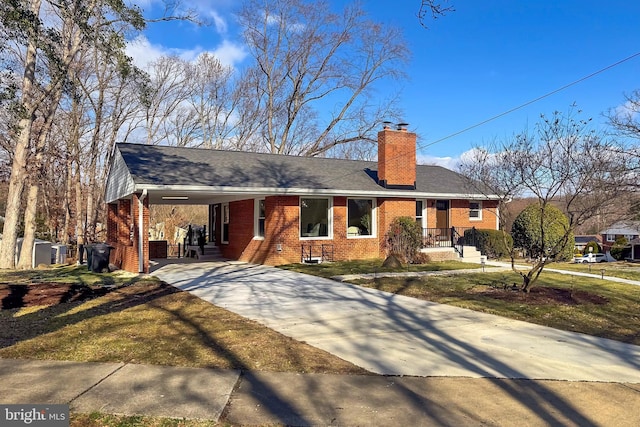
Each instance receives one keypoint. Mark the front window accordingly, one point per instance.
(611, 237)
(360, 221)
(260, 218)
(314, 217)
(475, 210)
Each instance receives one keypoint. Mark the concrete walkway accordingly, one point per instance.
(263, 398)
(394, 335)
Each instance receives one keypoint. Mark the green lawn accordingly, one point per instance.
(142, 320)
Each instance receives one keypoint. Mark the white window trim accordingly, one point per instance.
(374, 219)
(423, 218)
(479, 217)
(611, 237)
(329, 220)
(256, 219)
(228, 217)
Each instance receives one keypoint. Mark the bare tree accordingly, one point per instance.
(314, 73)
(561, 162)
(164, 92)
(433, 8)
(54, 42)
(213, 101)
(625, 119)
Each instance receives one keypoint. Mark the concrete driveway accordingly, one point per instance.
(395, 335)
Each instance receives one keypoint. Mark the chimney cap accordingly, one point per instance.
(402, 126)
(385, 124)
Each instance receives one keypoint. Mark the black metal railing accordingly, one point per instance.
(311, 253)
(452, 237)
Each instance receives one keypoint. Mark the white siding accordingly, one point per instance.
(119, 183)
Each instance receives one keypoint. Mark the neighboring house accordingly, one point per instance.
(635, 249)
(630, 230)
(275, 209)
(582, 241)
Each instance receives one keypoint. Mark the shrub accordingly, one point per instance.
(490, 242)
(620, 249)
(543, 231)
(595, 248)
(404, 238)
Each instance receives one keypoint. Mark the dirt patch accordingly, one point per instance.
(46, 294)
(546, 295)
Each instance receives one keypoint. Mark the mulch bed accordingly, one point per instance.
(46, 294)
(546, 295)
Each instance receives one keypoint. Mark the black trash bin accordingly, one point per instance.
(100, 257)
(89, 250)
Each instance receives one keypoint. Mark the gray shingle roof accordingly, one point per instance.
(162, 165)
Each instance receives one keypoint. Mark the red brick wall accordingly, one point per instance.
(125, 243)
(282, 228)
(397, 157)
(240, 228)
(459, 214)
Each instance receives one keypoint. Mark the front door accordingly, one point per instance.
(442, 214)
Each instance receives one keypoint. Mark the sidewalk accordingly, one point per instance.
(260, 398)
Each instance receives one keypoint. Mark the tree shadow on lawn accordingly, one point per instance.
(63, 299)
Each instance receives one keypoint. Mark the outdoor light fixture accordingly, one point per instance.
(175, 198)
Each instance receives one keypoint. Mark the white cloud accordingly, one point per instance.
(628, 110)
(144, 52)
(447, 162)
(230, 53)
(219, 22)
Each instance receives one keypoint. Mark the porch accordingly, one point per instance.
(451, 237)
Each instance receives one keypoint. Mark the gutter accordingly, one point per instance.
(141, 231)
(267, 191)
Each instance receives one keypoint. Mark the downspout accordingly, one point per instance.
(141, 231)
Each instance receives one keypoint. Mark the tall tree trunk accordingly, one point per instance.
(37, 173)
(67, 200)
(80, 228)
(26, 253)
(20, 155)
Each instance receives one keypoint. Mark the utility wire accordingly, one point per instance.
(553, 92)
(575, 82)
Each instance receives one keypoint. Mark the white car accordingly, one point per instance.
(591, 258)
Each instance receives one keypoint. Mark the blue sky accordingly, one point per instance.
(483, 59)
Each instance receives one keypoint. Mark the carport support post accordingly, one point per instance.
(143, 232)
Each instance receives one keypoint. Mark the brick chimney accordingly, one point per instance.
(397, 158)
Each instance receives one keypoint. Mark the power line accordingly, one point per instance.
(553, 92)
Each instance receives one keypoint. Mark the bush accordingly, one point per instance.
(490, 242)
(543, 231)
(595, 248)
(620, 249)
(404, 238)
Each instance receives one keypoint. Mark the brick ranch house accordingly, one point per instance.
(276, 209)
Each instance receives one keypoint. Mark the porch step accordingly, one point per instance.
(211, 253)
(471, 254)
(440, 254)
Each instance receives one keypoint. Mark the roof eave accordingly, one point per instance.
(267, 191)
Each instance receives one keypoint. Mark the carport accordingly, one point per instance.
(141, 180)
